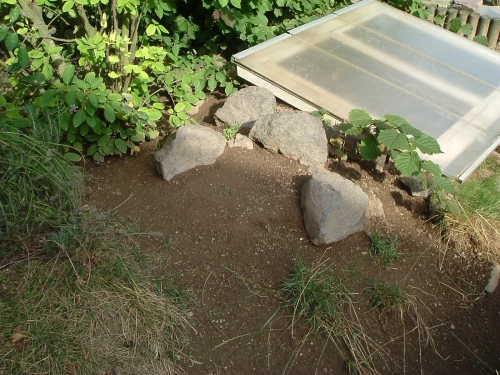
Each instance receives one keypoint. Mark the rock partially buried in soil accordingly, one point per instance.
(243, 107)
(298, 136)
(191, 146)
(333, 207)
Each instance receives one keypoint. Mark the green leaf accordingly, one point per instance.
(113, 59)
(104, 140)
(369, 148)
(432, 167)
(153, 134)
(92, 122)
(14, 14)
(96, 82)
(47, 97)
(392, 139)
(408, 163)
(109, 113)
(72, 157)
(67, 6)
(427, 144)
(23, 58)
(453, 207)
(92, 149)
(455, 25)
(79, 118)
(445, 183)
(396, 121)
(68, 74)
(84, 130)
(94, 99)
(481, 39)
(236, 3)
(11, 41)
(179, 107)
(121, 145)
(466, 29)
(212, 83)
(150, 30)
(359, 117)
(81, 84)
(229, 88)
(114, 97)
(98, 157)
(138, 137)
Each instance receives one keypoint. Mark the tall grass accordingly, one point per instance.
(476, 230)
(37, 185)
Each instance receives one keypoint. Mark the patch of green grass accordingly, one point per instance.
(385, 247)
(320, 297)
(476, 227)
(387, 298)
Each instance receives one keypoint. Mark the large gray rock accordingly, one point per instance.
(333, 208)
(192, 146)
(297, 136)
(245, 106)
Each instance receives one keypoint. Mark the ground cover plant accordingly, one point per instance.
(476, 228)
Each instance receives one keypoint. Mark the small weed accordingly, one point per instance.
(231, 131)
(169, 244)
(387, 298)
(385, 247)
(227, 191)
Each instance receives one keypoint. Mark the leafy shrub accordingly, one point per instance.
(394, 137)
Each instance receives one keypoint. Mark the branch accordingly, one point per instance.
(89, 29)
(33, 12)
(115, 17)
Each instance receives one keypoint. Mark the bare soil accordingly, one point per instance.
(230, 232)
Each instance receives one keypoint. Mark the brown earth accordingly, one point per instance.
(230, 233)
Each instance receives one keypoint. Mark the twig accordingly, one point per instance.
(203, 305)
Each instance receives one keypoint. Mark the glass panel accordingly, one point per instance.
(374, 57)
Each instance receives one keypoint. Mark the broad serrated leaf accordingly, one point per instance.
(410, 130)
(445, 184)
(121, 145)
(466, 29)
(138, 137)
(481, 39)
(47, 97)
(392, 139)
(408, 163)
(72, 156)
(109, 113)
(395, 120)
(359, 117)
(432, 167)
(427, 144)
(455, 25)
(453, 207)
(114, 97)
(104, 140)
(79, 118)
(369, 148)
